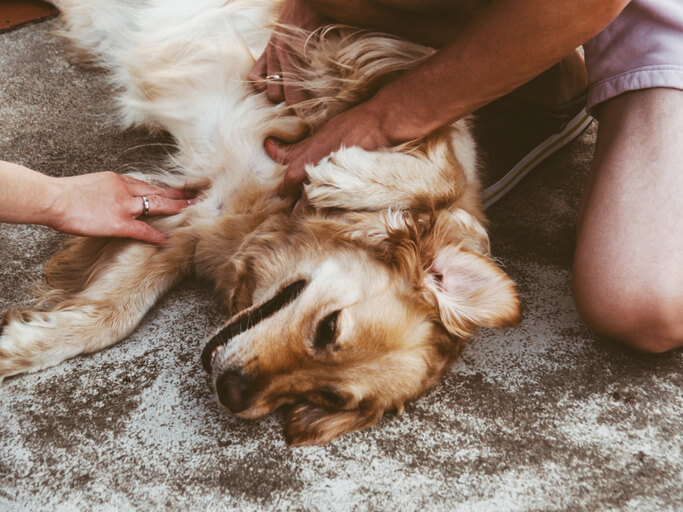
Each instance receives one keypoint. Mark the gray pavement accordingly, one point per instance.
(543, 417)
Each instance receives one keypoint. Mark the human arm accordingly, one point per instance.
(98, 204)
(508, 43)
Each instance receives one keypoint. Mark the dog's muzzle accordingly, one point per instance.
(250, 318)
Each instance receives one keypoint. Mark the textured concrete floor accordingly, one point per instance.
(544, 417)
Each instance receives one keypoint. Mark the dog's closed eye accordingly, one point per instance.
(327, 331)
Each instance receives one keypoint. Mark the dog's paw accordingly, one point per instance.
(355, 179)
(27, 343)
(330, 185)
(341, 181)
(15, 355)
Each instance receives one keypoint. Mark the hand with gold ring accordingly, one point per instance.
(272, 71)
(107, 204)
(103, 204)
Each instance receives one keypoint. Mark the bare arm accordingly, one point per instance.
(510, 43)
(507, 44)
(99, 204)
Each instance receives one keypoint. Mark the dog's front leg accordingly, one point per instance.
(104, 292)
(433, 175)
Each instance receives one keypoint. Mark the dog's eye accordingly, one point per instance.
(326, 333)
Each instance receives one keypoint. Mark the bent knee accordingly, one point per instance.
(645, 314)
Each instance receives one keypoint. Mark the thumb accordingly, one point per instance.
(301, 205)
(278, 150)
(293, 181)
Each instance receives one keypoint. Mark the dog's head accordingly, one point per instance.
(346, 319)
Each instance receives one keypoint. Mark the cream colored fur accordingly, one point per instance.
(396, 246)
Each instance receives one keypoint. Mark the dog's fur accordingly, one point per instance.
(391, 270)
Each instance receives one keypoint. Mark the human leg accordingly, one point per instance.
(519, 131)
(628, 267)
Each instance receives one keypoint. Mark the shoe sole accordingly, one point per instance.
(549, 146)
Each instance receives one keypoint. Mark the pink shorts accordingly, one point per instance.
(641, 49)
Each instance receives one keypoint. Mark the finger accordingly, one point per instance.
(294, 178)
(293, 93)
(134, 181)
(163, 206)
(142, 188)
(301, 205)
(189, 193)
(258, 72)
(148, 187)
(177, 193)
(136, 206)
(274, 89)
(277, 150)
(143, 231)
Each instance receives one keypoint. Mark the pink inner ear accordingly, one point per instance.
(452, 275)
(471, 291)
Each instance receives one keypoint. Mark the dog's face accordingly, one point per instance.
(346, 325)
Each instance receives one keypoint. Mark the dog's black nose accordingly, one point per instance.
(234, 390)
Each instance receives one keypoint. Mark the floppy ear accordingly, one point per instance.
(471, 291)
(308, 424)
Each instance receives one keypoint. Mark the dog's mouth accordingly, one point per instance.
(248, 319)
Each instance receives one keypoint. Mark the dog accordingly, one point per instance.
(342, 313)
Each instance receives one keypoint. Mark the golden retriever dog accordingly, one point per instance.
(341, 313)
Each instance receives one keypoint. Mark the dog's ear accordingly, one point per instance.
(471, 291)
(308, 424)
(447, 254)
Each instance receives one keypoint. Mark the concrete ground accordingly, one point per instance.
(543, 417)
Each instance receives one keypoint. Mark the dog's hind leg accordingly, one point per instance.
(105, 290)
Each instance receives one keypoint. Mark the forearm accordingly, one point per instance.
(429, 23)
(509, 43)
(506, 44)
(26, 196)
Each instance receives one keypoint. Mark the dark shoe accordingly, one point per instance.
(515, 136)
(17, 13)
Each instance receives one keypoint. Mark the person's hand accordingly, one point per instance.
(359, 126)
(276, 59)
(107, 204)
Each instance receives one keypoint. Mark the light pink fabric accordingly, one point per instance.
(641, 49)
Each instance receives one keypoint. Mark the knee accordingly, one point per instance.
(640, 309)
